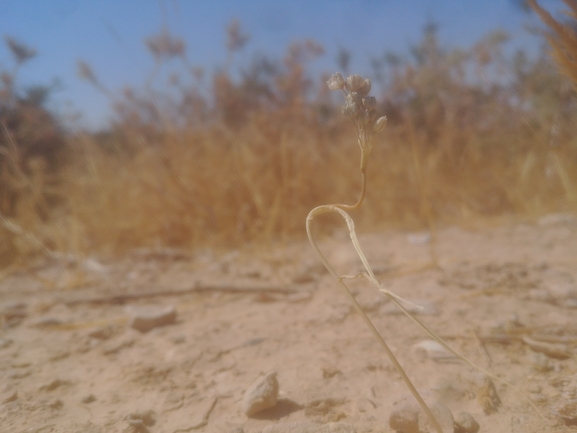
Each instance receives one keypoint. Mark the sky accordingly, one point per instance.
(109, 35)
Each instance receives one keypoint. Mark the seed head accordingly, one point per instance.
(336, 82)
(361, 108)
(370, 103)
(380, 124)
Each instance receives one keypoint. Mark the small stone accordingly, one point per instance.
(88, 399)
(410, 418)
(405, 419)
(144, 319)
(443, 416)
(433, 350)
(465, 423)
(262, 394)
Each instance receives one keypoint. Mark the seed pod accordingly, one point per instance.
(380, 124)
(370, 103)
(365, 88)
(354, 83)
(336, 82)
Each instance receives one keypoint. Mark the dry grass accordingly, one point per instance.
(562, 38)
(217, 188)
(246, 172)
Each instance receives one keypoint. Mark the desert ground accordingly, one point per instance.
(72, 357)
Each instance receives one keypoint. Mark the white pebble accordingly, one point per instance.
(262, 394)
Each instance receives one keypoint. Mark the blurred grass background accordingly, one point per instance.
(240, 157)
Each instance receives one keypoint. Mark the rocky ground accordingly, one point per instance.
(163, 341)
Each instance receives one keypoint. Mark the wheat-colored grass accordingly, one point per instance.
(454, 152)
(562, 37)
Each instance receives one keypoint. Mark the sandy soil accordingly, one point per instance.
(506, 297)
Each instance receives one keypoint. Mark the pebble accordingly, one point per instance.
(405, 419)
(433, 350)
(262, 394)
(144, 319)
(465, 423)
(410, 418)
(309, 427)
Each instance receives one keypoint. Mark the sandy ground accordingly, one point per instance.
(506, 297)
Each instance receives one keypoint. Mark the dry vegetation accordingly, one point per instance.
(205, 161)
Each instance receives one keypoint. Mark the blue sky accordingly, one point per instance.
(109, 34)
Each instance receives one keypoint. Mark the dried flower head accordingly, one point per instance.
(361, 108)
(336, 82)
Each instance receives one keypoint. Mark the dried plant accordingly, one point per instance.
(360, 107)
(231, 156)
(562, 37)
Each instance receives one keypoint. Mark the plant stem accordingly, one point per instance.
(362, 196)
(392, 357)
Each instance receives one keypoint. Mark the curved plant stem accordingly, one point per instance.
(361, 198)
(336, 208)
(397, 300)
